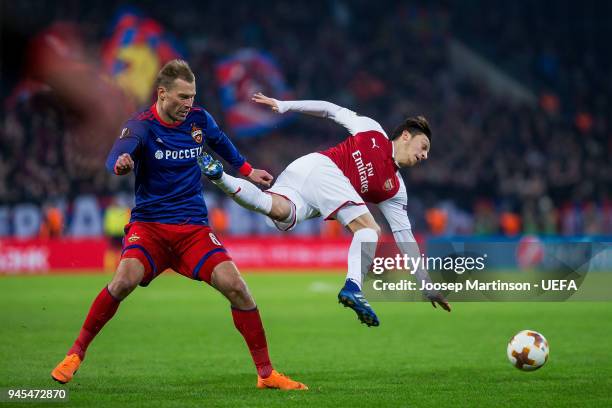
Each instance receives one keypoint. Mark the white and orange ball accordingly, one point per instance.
(528, 350)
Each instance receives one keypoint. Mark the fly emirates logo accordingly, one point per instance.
(365, 170)
(179, 154)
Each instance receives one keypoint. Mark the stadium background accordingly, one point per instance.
(518, 95)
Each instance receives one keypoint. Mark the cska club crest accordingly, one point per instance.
(388, 186)
(196, 133)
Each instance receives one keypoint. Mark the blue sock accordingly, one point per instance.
(351, 285)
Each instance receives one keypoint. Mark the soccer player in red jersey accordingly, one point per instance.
(336, 184)
(169, 224)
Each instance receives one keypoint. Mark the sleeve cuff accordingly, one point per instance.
(282, 106)
(245, 169)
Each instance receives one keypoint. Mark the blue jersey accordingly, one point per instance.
(168, 184)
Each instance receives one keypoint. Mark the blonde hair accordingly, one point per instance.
(175, 69)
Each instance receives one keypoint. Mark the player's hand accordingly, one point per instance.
(440, 300)
(124, 164)
(262, 177)
(264, 100)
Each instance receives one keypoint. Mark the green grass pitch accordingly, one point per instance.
(173, 344)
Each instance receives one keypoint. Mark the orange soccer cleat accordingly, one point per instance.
(279, 381)
(66, 369)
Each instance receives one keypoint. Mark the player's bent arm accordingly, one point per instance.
(124, 145)
(407, 245)
(395, 212)
(323, 109)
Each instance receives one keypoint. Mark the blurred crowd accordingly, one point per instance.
(496, 165)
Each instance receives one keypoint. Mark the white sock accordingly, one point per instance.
(358, 252)
(245, 193)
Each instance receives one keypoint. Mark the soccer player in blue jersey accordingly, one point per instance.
(169, 224)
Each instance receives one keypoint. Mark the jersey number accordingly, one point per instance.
(214, 239)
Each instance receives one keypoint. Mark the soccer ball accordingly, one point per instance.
(528, 350)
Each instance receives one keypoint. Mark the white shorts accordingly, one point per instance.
(317, 187)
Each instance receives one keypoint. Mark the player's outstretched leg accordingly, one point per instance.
(360, 257)
(227, 280)
(128, 275)
(246, 193)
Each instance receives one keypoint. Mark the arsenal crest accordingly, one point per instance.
(196, 133)
(388, 186)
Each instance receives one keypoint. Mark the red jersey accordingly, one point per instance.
(366, 159)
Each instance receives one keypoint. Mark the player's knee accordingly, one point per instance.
(121, 287)
(376, 228)
(371, 228)
(236, 288)
(365, 221)
(227, 280)
(281, 208)
(276, 214)
(238, 294)
(129, 274)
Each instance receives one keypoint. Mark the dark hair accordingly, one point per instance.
(414, 125)
(174, 69)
